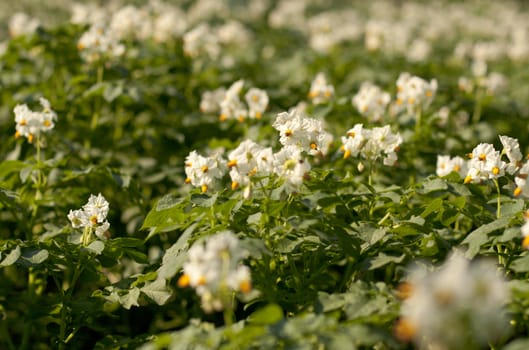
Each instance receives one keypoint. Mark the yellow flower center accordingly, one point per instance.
(245, 286)
(183, 281)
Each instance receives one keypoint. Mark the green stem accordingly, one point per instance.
(64, 310)
(87, 236)
(476, 115)
(31, 297)
(97, 104)
(371, 173)
(498, 215)
(418, 121)
(6, 336)
(228, 317)
(498, 209)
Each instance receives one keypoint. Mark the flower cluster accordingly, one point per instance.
(201, 40)
(203, 171)
(459, 306)
(245, 162)
(91, 218)
(229, 104)
(308, 134)
(490, 83)
(21, 24)
(446, 165)
(31, 124)
(371, 101)
(485, 163)
(99, 43)
(414, 93)
(213, 269)
(156, 19)
(320, 90)
(371, 144)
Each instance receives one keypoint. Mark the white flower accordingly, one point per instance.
(92, 218)
(485, 163)
(320, 91)
(200, 40)
(257, 101)
(213, 268)
(210, 102)
(22, 24)
(88, 14)
(98, 43)
(522, 185)
(291, 167)
(446, 165)
(355, 140)
(231, 106)
(203, 171)
(372, 144)
(511, 148)
(125, 21)
(306, 133)
(242, 162)
(414, 92)
(371, 101)
(458, 303)
(31, 124)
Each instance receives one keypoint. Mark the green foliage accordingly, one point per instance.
(326, 259)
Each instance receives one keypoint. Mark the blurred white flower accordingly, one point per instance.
(446, 165)
(458, 306)
(371, 101)
(320, 90)
(31, 124)
(21, 24)
(98, 43)
(214, 270)
(414, 93)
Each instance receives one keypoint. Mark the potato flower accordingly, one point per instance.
(91, 218)
(458, 306)
(31, 124)
(214, 270)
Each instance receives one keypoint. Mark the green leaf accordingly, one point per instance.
(112, 91)
(35, 257)
(175, 257)
(433, 185)
(518, 344)
(130, 298)
(12, 257)
(479, 236)
(8, 167)
(383, 259)
(512, 208)
(520, 264)
(267, 315)
(157, 291)
(433, 207)
(96, 247)
(329, 302)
